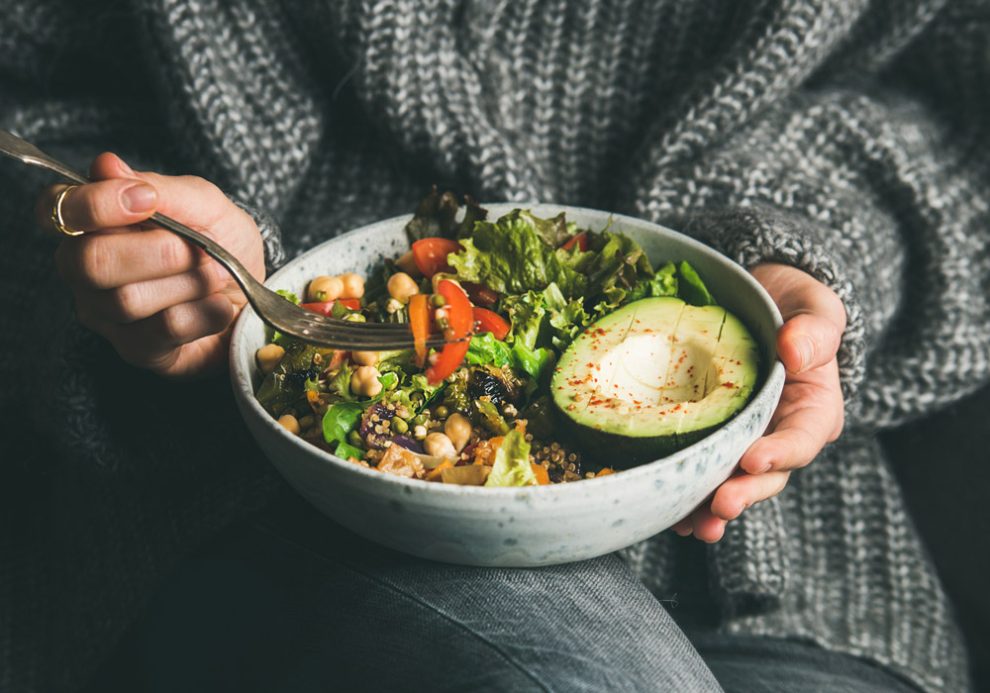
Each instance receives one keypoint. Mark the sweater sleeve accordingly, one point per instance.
(876, 192)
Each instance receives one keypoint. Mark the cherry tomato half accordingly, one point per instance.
(430, 254)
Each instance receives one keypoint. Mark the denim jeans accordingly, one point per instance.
(294, 603)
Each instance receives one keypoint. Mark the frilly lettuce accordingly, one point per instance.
(512, 467)
(512, 256)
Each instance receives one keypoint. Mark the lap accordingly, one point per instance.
(279, 607)
(294, 603)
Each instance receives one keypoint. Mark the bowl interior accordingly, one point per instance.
(363, 249)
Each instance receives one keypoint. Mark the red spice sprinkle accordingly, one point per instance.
(728, 383)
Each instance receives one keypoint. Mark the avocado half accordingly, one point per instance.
(654, 377)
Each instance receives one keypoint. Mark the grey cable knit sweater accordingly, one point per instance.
(847, 137)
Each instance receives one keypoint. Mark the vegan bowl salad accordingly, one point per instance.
(576, 357)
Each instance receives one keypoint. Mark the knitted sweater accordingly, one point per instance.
(846, 137)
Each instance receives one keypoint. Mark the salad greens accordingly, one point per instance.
(512, 467)
(538, 283)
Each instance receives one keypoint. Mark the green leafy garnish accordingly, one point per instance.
(510, 256)
(347, 451)
(484, 349)
(341, 418)
(533, 362)
(512, 467)
(693, 290)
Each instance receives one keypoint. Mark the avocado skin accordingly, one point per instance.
(624, 452)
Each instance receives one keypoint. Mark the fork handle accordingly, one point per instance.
(240, 274)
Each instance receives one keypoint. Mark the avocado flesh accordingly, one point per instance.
(653, 377)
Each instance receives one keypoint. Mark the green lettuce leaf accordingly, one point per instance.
(484, 349)
(347, 451)
(512, 467)
(533, 362)
(693, 290)
(553, 231)
(543, 318)
(341, 383)
(511, 256)
(662, 283)
(341, 418)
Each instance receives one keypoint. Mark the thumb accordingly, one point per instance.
(814, 317)
(807, 341)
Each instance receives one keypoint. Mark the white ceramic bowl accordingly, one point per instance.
(530, 526)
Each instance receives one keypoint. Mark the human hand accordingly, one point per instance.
(810, 412)
(163, 304)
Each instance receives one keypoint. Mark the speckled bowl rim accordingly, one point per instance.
(241, 374)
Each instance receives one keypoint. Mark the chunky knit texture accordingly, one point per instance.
(846, 137)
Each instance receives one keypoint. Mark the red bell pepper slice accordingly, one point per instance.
(447, 361)
(430, 254)
(580, 240)
(490, 321)
(460, 320)
(458, 308)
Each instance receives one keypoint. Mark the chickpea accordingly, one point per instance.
(268, 357)
(401, 286)
(439, 445)
(407, 263)
(364, 358)
(289, 423)
(324, 288)
(353, 285)
(458, 428)
(365, 381)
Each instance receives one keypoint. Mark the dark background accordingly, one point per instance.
(943, 463)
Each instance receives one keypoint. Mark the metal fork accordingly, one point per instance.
(274, 310)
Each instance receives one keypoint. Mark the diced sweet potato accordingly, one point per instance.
(468, 475)
(401, 462)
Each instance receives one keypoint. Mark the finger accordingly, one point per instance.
(108, 261)
(149, 343)
(683, 527)
(799, 434)
(706, 526)
(109, 165)
(742, 491)
(807, 341)
(190, 199)
(109, 203)
(139, 300)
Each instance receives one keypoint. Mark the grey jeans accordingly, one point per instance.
(293, 603)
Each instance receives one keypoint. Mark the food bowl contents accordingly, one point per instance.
(570, 355)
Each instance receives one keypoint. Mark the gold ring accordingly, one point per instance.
(58, 221)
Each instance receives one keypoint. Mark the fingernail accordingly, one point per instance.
(139, 197)
(806, 350)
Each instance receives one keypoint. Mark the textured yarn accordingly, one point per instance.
(846, 137)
